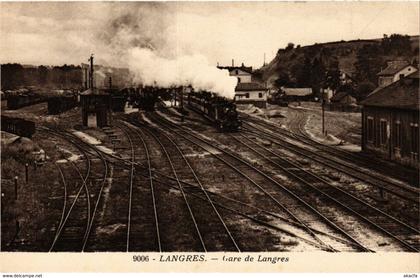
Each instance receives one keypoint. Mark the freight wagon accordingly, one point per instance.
(60, 104)
(18, 101)
(18, 126)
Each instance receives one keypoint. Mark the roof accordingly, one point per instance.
(297, 91)
(403, 94)
(243, 68)
(394, 67)
(93, 92)
(250, 86)
(338, 96)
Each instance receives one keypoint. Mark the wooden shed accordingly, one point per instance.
(390, 121)
(96, 108)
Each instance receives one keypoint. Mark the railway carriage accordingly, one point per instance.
(220, 111)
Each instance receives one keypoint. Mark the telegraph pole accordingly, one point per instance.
(91, 71)
(323, 116)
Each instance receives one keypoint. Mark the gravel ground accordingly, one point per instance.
(39, 216)
(342, 125)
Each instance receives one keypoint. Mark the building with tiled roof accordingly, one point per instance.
(300, 92)
(390, 121)
(246, 91)
(242, 73)
(251, 86)
(251, 93)
(394, 71)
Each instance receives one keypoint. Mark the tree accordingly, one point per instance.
(317, 75)
(283, 80)
(332, 79)
(290, 46)
(396, 44)
(12, 76)
(364, 89)
(368, 63)
(42, 75)
(301, 73)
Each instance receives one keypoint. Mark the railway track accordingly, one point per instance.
(241, 166)
(144, 234)
(186, 236)
(356, 161)
(234, 206)
(210, 220)
(403, 233)
(406, 193)
(71, 234)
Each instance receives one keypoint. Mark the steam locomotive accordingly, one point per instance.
(219, 110)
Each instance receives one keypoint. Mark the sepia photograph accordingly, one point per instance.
(208, 127)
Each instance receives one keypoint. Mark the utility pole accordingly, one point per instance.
(91, 71)
(86, 78)
(323, 116)
(16, 187)
(175, 96)
(323, 110)
(26, 173)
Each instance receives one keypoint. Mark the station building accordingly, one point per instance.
(251, 93)
(247, 91)
(390, 121)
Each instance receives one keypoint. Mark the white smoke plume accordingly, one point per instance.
(149, 68)
(146, 40)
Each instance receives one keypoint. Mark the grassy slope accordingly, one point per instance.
(345, 51)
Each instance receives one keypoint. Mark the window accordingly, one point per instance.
(260, 95)
(382, 132)
(247, 95)
(370, 129)
(402, 76)
(414, 138)
(397, 134)
(239, 80)
(236, 72)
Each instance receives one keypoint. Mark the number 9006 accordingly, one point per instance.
(140, 258)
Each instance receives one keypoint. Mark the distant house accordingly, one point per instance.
(251, 93)
(343, 101)
(343, 98)
(242, 73)
(297, 94)
(390, 121)
(394, 71)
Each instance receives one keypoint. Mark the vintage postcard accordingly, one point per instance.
(210, 136)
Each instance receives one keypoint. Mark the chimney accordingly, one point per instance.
(217, 63)
(233, 63)
(243, 65)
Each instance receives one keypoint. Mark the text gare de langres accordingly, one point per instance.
(201, 258)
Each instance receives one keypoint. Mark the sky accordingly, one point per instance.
(68, 32)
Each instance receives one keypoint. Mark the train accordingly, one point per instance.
(143, 98)
(16, 101)
(219, 110)
(60, 104)
(18, 126)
